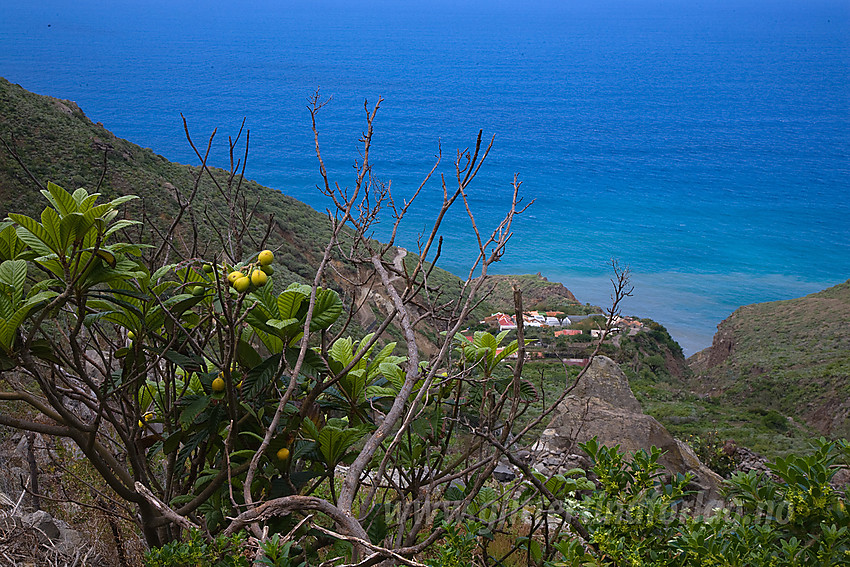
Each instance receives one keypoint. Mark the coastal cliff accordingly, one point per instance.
(792, 357)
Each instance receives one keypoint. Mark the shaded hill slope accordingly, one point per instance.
(58, 143)
(791, 356)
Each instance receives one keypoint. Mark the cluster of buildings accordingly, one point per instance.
(555, 319)
(505, 322)
(533, 319)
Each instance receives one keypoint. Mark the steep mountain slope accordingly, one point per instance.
(792, 356)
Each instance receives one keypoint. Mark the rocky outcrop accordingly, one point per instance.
(747, 460)
(603, 406)
(28, 535)
(721, 349)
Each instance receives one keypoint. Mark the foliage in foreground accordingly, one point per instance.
(222, 551)
(205, 427)
(636, 515)
(640, 517)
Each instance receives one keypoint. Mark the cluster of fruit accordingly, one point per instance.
(149, 416)
(258, 273)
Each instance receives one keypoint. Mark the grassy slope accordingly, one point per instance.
(537, 292)
(662, 382)
(769, 362)
(788, 356)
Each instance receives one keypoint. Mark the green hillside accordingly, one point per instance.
(57, 143)
(792, 357)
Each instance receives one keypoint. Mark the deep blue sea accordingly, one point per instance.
(705, 144)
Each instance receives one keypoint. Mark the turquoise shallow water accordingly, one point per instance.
(707, 145)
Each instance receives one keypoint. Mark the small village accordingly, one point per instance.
(559, 319)
(557, 334)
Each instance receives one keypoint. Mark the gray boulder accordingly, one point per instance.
(604, 406)
(53, 532)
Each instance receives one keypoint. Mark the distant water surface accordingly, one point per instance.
(706, 145)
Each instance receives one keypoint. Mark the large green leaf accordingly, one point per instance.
(267, 300)
(383, 355)
(313, 363)
(7, 335)
(258, 378)
(155, 318)
(61, 199)
(284, 325)
(354, 385)
(380, 392)
(9, 327)
(121, 200)
(33, 234)
(97, 212)
(289, 302)
(394, 373)
(196, 404)
(271, 341)
(179, 304)
(6, 307)
(334, 442)
(341, 351)
(70, 229)
(83, 199)
(505, 352)
(121, 224)
(327, 310)
(485, 340)
(247, 355)
(13, 311)
(14, 274)
(188, 362)
(50, 220)
(162, 272)
(10, 244)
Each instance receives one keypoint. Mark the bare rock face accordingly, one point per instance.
(721, 349)
(603, 406)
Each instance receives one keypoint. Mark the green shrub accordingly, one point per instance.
(275, 553)
(458, 545)
(223, 551)
(775, 421)
(714, 453)
(638, 518)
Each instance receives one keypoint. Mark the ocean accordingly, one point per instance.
(706, 145)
